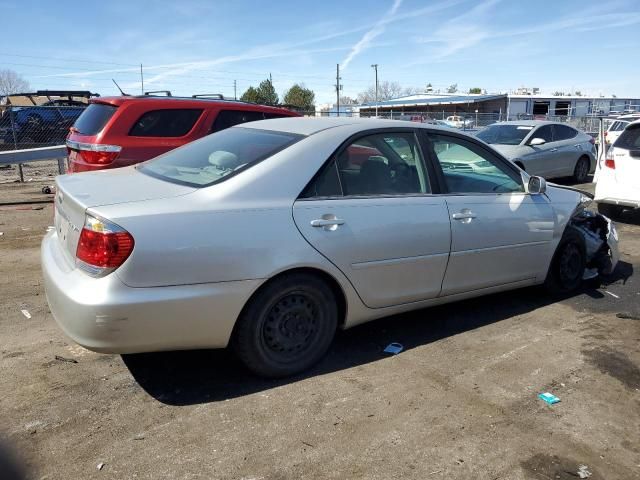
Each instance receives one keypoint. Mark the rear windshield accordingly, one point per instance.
(94, 118)
(504, 134)
(217, 156)
(629, 139)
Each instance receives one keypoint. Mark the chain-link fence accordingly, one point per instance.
(469, 121)
(35, 126)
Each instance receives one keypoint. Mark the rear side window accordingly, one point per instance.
(165, 123)
(94, 118)
(629, 139)
(217, 156)
(229, 118)
(562, 132)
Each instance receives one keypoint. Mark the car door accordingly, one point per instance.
(570, 147)
(499, 233)
(377, 220)
(540, 159)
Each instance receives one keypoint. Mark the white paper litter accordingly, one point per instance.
(26, 313)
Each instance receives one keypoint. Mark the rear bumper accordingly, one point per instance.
(105, 315)
(619, 201)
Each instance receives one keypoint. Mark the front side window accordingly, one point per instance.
(165, 123)
(212, 158)
(545, 132)
(504, 134)
(468, 168)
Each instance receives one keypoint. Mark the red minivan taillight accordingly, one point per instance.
(102, 247)
(95, 153)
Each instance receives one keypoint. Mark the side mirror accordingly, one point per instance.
(537, 141)
(537, 185)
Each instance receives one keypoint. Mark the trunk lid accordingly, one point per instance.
(78, 192)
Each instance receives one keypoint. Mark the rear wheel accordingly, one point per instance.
(581, 170)
(287, 326)
(568, 264)
(608, 210)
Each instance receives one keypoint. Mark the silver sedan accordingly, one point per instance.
(548, 149)
(270, 236)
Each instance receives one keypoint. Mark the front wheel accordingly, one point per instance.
(581, 170)
(287, 326)
(568, 264)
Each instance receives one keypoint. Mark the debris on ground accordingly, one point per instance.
(26, 313)
(1, 233)
(627, 316)
(394, 348)
(583, 471)
(65, 359)
(47, 189)
(612, 294)
(140, 436)
(100, 465)
(550, 398)
(37, 207)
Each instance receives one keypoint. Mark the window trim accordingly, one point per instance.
(512, 170)
(193, 127)
(367, 133)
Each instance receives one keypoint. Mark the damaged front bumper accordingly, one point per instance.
(601, 242)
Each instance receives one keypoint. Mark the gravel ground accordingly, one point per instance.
(459, 402)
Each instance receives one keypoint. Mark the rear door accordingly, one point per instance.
(626, 155)
(377, 220)
(570, 147)
(500, 235)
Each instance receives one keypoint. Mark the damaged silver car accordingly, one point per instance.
(269, 236)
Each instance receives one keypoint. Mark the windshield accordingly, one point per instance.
(211, 159)
(504, 134)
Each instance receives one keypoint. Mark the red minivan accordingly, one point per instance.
(119, 131)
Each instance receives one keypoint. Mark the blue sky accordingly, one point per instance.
(202, 46)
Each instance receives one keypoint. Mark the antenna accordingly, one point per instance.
(123, 94)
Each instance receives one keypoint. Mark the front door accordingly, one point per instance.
(376, 220)
(499, 234)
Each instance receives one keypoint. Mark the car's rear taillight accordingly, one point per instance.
(103, 246)
(609, 162)
(95, 153)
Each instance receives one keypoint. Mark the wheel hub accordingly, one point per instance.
(291, 324)
(570, 263)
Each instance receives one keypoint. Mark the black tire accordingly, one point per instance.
(581, 170)
(568, 264)
(611, 211)
(287, 326)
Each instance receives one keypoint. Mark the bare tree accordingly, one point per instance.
(413, 90)
(453, 88)
(11, 82)
(386, 91)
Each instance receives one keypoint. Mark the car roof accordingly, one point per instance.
(311, 125)
(186, 102)
(534, 123)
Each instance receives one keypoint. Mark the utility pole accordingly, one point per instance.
(235, 95)
(375, 67)
(141, 80)
(338, 88)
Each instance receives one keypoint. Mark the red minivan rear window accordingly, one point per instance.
(94, 118)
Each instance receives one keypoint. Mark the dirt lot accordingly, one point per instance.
(459, 402)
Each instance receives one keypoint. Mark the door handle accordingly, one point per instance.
(553, 150)
(463, 216)
(323, 222)
(578, 146)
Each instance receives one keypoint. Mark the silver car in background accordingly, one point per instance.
(270, 236)
(547, 149)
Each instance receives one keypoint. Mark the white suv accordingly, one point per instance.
(618, 183)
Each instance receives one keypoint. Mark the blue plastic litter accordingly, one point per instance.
(549, 398)
(394, 348)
